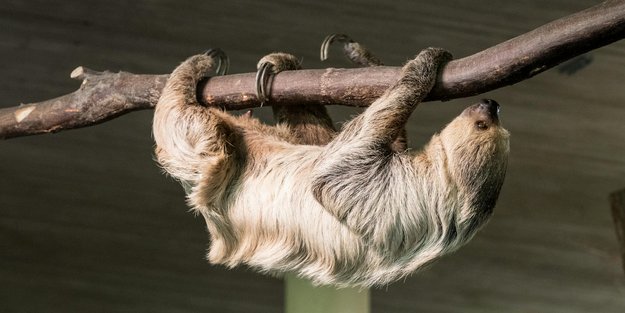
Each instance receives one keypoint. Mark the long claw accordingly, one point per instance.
(262, 82)
(354, 51)
(325, 45)
(223, 62)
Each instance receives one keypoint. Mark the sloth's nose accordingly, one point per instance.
(485, 110)
(489, 106)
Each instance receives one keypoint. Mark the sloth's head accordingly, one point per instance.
(476, 148)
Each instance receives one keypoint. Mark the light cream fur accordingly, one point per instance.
(346, 210)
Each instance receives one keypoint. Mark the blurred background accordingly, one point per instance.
(89, 224)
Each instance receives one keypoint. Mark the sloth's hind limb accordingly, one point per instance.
(194, 144)
(309, 124)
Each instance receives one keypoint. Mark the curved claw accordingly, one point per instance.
(325, 45)
(354, 51)
(223, 63)
(262, 82)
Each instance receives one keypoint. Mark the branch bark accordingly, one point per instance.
(104, 95)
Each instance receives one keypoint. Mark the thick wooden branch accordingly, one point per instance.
(617, 200)
(103, 96)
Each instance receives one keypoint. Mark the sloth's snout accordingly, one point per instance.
(486, 110)
(489, 107)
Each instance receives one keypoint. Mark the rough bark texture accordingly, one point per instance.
(104, 96)
(617, 200)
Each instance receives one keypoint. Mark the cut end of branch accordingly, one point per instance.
(77, 73)
(82, 72)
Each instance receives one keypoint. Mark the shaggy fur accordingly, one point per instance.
(343, 209)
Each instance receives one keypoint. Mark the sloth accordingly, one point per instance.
(346, 208)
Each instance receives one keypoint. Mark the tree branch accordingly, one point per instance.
(103, 96)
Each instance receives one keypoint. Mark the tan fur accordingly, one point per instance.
(342, 209)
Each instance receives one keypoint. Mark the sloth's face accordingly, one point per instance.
(477, 130)
(475, 143)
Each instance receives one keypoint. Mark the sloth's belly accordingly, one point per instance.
(276, 199)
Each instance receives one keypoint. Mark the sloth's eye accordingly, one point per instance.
(481, 125)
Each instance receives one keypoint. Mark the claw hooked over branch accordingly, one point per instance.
(263, 77)
(353, 50)
(325, 44)
(223, 62)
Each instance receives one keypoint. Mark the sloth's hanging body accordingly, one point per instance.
(346, 208)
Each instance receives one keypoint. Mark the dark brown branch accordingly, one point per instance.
(617, 200)
(105, 95)
(102, 96)
(504, 64)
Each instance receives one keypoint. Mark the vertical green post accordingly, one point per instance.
(302, 297)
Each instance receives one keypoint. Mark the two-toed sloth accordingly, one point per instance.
(342, 208)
